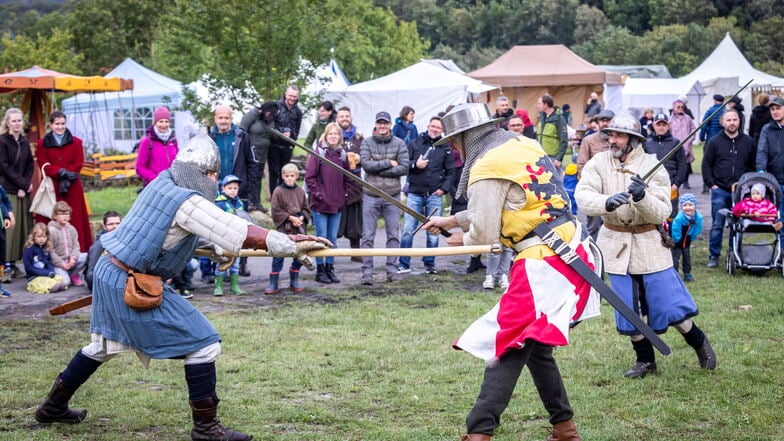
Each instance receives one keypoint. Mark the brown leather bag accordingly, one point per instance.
(143, 291)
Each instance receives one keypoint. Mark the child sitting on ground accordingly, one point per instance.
(37, 259)
(8, 222)
(756, 207)
(291, 214)
(229, 202)
(686, 226)
(68, 261)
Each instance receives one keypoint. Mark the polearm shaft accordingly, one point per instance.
(362, 252)
(417, 215)
(669, 154)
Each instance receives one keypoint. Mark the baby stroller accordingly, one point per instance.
(754, 246)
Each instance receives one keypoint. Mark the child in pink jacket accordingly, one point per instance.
(756, 207)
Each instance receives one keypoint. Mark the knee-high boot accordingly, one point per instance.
(201, 380)
(55, 409)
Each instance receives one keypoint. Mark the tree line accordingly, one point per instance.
(251, 50)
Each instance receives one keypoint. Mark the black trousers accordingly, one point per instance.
(277, 157)
(500, 380)
(676, 256)
(254, 187)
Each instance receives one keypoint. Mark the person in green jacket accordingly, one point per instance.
(551, 130)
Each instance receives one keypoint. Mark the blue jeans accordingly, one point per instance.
(277, 265)
(233, 270)
(719, 199)
(327, 226)
(425, 206)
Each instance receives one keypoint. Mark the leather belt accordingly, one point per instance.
(119, 264)
(634, 229)
(527, 241)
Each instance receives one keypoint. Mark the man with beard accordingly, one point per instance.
(384, 158)
(661, 143)
(430, 176)
(771, 146)
(259, 122)
(728, 156)
(157, 238)
(512, 188)
(351, 219)
(287, 122)
(638, 264)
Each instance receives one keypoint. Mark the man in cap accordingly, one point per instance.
(727, 157)
(157, 238)
(384, 158)
(512, 187)
(660, 143)
(590, 147)
(713, 127)
(639, 265)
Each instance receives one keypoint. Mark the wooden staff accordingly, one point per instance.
(362, 252)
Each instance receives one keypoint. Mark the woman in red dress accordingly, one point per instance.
(62, 156)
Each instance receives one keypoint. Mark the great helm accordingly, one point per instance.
(464, 117)
(202, 151)
(625, 123)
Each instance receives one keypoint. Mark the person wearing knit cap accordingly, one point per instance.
(755, 207)
(158, 147)
(686, 226)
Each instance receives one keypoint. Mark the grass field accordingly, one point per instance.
(377, 365)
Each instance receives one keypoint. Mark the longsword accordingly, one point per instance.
(391, 199)
(669, 154)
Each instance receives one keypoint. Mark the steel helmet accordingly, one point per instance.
(202, 151)
(625, 123)
(464, 117)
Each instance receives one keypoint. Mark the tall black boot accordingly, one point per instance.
(207, 426)
(330, 270)
(354, 243)
(55, 409)
(201, 379)
(321, 274)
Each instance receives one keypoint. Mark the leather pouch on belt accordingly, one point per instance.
(143, 291)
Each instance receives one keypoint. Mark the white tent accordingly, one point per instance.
(426, 87)
(722, 72)
(117, 120)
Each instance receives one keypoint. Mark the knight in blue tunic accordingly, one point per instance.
(158, 237)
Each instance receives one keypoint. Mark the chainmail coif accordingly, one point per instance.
(477, 142)
(189, 175)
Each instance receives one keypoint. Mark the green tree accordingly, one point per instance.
(52, 52)
(667, 12)
(588, 22)
(631, 14)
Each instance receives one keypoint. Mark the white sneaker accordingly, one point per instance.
(489, 282)
(504, 282)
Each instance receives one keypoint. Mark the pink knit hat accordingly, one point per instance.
(161, 113)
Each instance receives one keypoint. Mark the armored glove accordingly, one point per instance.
(637, 188)
(295, 245)
(616, 201)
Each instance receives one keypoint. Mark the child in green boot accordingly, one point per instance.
(229, 202)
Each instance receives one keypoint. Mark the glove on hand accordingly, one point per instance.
(71, 176)
(616, 201)
(637, 188)
(63, 187)
(61, 173)
(295, 245)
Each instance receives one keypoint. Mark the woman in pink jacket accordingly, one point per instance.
(158, 148)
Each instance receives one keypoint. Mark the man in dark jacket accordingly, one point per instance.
(713, 127)
(771, 145)
(384, 159)
(502, 110)
(288, 122)
(259, 122)
(728, 156)
(238, 159)
(430, 176)
(661, 143)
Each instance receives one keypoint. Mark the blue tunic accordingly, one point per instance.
(174, 329)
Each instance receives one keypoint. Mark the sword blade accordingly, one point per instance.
(669, 154)
(570, 258)
(391, 199)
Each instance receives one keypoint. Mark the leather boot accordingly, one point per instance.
(321, 274)
(218, 286)
(564, 431)
(294, 281)
(475, 437)
(234, 283)
(55, 408)
(244, 267)
(207, 426)
(330, 270)
(355, 244)
(272, 288)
